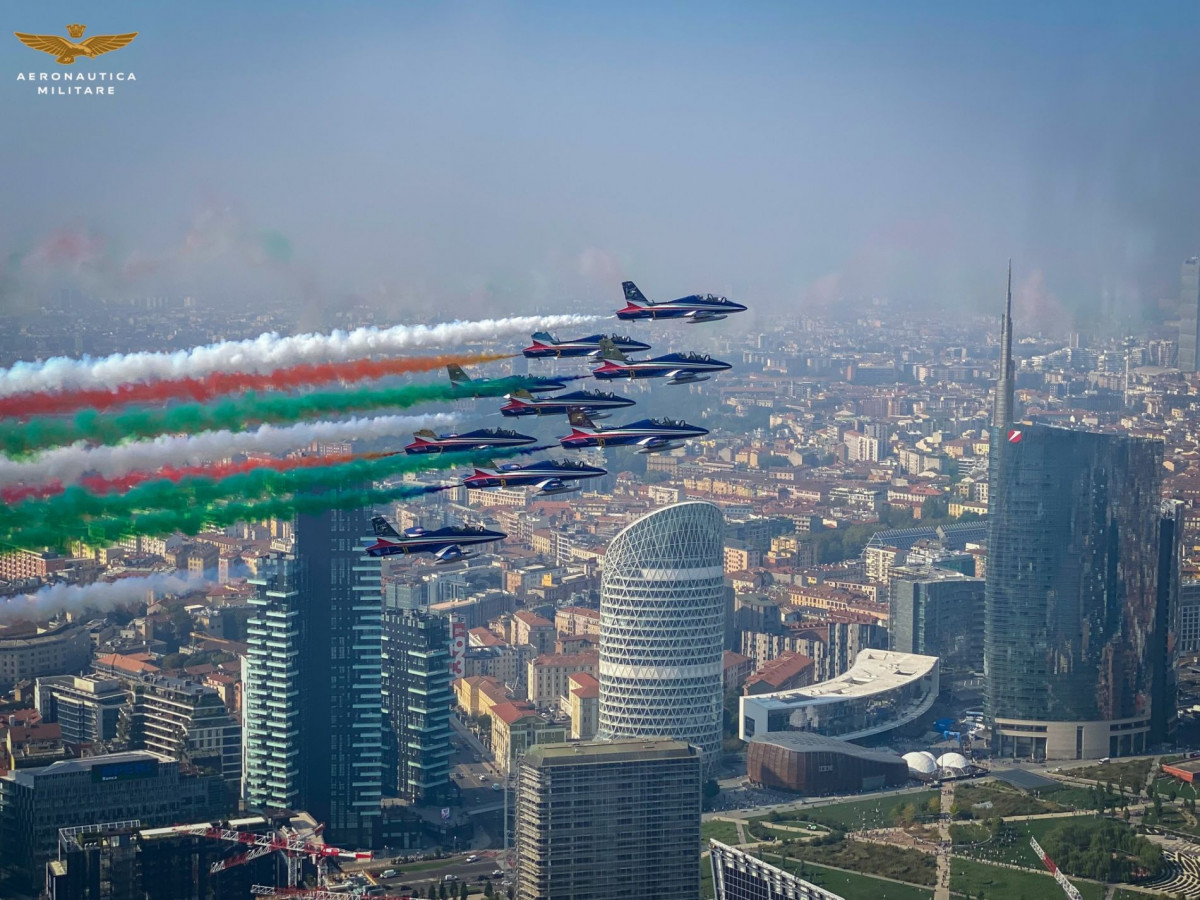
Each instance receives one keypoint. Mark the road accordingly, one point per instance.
(414, 878)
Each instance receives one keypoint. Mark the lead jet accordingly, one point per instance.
(523, 403)
(445, 544)
(426, 441)
(695, 309)
(648, 435)
(679, 368)
(460, 379)
(549, 476)
(546, 346)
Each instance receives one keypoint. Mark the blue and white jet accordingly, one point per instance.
(445, 543)
(546, 346)
(648, 435)
(678, 368)
(695, 309)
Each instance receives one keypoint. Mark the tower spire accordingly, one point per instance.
(1002, 410)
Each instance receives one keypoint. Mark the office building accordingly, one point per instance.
(1078, 590)
(739, 876)
(87, 709)
(1189, 315)
(30, 651)
(1189, 617)
(662, 628)
(416, 703)
(148, 787)
(607, 821)
(937, 612)
(882, 691)
(314, 719)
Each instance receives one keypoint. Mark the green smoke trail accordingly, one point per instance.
(156, 505)
(234, 413)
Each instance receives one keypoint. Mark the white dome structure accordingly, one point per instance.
(662, 628)
(921, 764)
(954, 762)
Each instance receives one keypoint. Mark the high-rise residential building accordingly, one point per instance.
(662, 628)
(314, 720)
(606, 821)
(739, 876)
(416, 703)
(1189, 315)
(938, 612)
(1078, 591)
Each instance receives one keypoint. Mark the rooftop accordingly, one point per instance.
(811, 742)
(607, 751)
(873, 672)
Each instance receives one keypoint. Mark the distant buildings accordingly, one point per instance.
(662, 628)
(631, 826)
(86, 709)
(416, 704)
(1189, 315)
(812, 764)
(880, 692)
(938, 612)
(739, 876)
(28, 651)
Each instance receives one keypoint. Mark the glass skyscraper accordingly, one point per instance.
(1072, 601)
(1189, 315)
(314, 722)
(662, 628)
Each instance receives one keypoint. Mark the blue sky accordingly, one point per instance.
(512, 156)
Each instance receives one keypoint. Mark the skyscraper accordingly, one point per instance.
(605, 821)
(416, 703)
(662, 628)
(314, 720)
(1074, 604)
(739, 876)
(1189, 315)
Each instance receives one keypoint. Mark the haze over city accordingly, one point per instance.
(510, 157)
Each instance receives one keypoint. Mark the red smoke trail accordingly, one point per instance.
(100, 485)
(218, 383)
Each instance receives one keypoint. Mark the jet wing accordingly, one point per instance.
(449, 554)
(681, 375)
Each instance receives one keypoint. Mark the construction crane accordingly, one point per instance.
(1068, 888)
(294, 847)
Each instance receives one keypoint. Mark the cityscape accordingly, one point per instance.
(389, 540)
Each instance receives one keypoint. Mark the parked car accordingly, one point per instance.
(388, 873)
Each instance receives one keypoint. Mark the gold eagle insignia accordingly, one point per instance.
(65, 51)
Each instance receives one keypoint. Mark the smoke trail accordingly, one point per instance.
(98, 484)
(67, 465)
(218, 383)
(265, 353)
(233, 413)
(101, 596)
(70, 515)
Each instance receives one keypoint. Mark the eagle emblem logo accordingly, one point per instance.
(64, 51)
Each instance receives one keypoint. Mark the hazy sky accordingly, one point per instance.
(508, 156)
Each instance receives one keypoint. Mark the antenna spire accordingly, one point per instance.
(1002, 410)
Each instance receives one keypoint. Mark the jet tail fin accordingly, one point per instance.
(579, 419)
(457, 375)
(383, 528)
(633, 295)
(425, 434)
(520, 394)
(543, 337)
(608, 350)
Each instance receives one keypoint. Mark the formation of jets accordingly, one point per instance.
(582, 409)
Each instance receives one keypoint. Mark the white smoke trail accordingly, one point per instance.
(102, 596)
(264, 353)
(69, 464)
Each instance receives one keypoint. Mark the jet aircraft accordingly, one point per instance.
(549, 476)
(649, 435)
(445, 543)
(523, 403)
(460, 379)
(678, 368)
(545, 345)
(695, 309)
(426, 441)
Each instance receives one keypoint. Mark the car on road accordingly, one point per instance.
(450, 877)
(499, 873)
(472, 858)
(388, 873)
(495, 787)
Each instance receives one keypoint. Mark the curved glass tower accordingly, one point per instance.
(662, 628)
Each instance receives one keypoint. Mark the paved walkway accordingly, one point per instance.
(942, 890)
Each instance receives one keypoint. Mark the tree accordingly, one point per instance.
(462, 891)
(488, 890)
